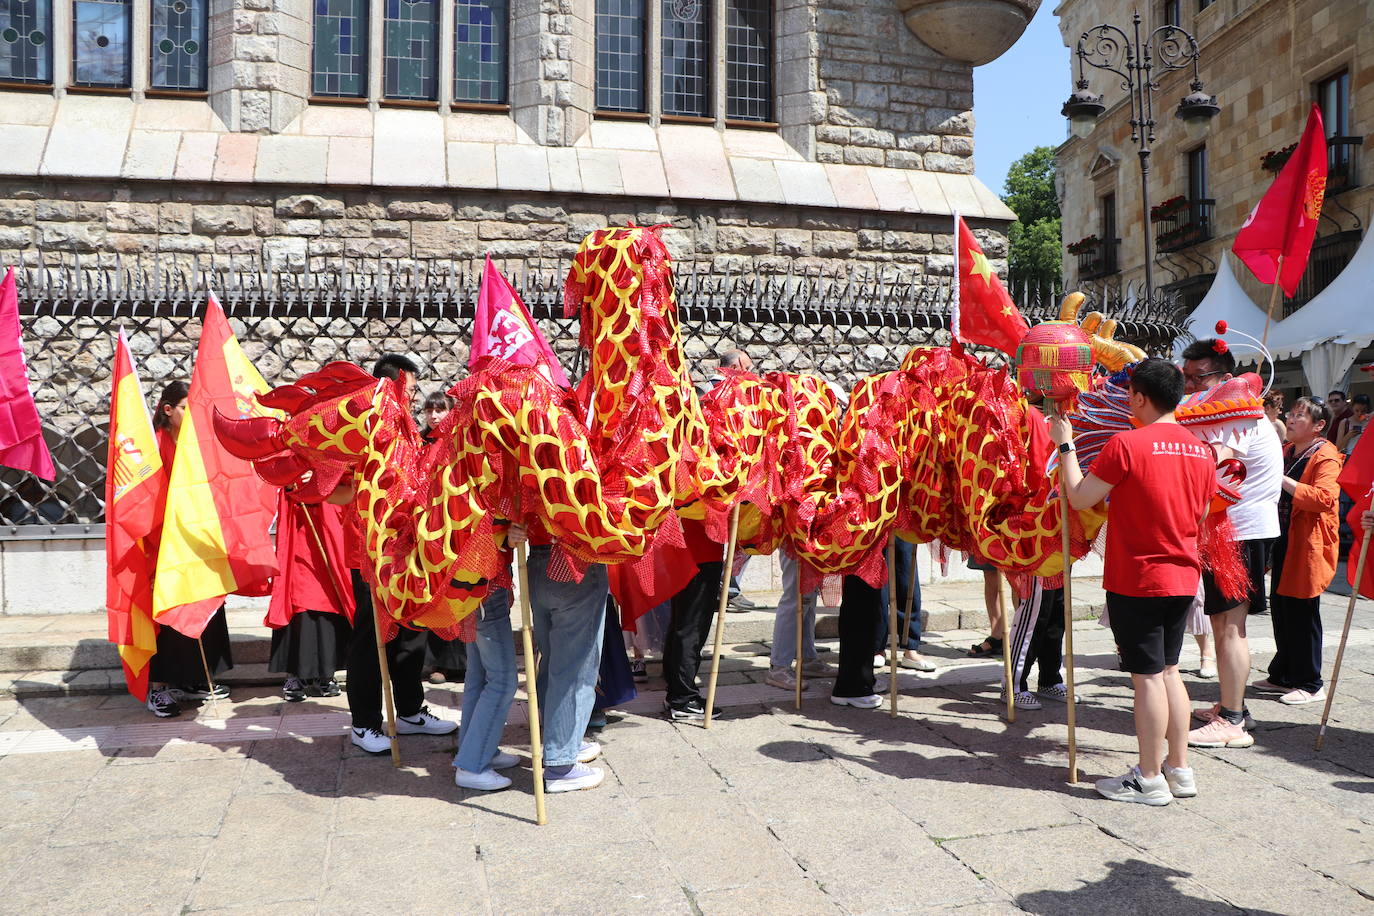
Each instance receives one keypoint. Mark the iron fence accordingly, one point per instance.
(838, 325)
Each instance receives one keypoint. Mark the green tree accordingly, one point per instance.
(1035, 242)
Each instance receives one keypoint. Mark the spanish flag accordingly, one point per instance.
(135, 487)
(215, 537)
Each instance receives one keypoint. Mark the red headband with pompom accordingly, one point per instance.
(1220, 346)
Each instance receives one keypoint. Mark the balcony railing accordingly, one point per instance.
(1342, 164)
(1186, 227)
(1330, 254)
(1100, 261)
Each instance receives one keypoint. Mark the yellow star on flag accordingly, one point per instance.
(981, 267)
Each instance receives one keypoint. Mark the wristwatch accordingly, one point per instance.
(1065, 448)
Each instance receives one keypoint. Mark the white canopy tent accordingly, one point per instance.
(1330, 331)
(1225, 301)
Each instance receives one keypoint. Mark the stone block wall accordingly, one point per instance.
(260, 60)
(283, 228)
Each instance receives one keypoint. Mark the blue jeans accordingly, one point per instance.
(905, 556)
(784, 653)
(569, 625)
(490, 685)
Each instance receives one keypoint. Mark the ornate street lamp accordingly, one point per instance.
(1167, 48)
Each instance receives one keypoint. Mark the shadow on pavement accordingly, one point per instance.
(1133, 879)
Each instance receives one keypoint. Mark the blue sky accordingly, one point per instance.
(1016, 99)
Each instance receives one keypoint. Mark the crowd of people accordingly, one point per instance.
(1158, 480)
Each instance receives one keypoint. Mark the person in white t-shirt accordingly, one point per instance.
(1207, 364)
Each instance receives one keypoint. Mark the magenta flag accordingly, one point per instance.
(503, 328)
(21, 432)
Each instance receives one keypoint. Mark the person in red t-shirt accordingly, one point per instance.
(1161, 478)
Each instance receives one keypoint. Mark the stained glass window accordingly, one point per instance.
(178, 44)
(749, 60)
(100, 42)
(339, 67)
(686, 57)
(480, 28)
(410, 56)
(620, 55)
(25, 41)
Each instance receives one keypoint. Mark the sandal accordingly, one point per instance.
(988, 648)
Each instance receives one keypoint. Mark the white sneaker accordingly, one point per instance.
(589, 751)
(1300, 697)
(424, 723)
(486, 781)
(872, 701)
(1059, 693)
(880, 661)
(1180, 780)
(579, 776)
(371, 740)
(504, 761)
(1132, 787)
(781, 678)
(918, 662)
(1024, 699)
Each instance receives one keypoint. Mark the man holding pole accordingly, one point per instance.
(1161, 479)
(405, 653)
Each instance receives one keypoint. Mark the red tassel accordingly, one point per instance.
(1221, 556)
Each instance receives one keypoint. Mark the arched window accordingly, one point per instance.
(178, 45)
(26, 41)
(340, 53)
(100, 43)
(410, 56)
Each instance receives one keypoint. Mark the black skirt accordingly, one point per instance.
(178, 661)
(446, 654)
(313, 646)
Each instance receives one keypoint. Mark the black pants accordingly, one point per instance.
(1037, 636)
(1297, 634)
(178, 660)
(860, 618)
(405, 656)
(693, 608)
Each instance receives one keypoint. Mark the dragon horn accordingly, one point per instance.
(251, 438)
(1068, 308)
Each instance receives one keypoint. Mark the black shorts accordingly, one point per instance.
(984, 567)
(1255, 555)
(1148, 631)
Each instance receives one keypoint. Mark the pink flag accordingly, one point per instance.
(503, 328)
(21, 432)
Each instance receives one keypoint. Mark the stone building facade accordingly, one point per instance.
(291, 142)
(1266, 61)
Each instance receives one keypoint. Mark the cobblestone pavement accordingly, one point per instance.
(263, 807)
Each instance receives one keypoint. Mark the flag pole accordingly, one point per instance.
(800, 621)
(1273, 301)
(210, 681)
(892, 623)
(1345, 634)
(531, 675)
(720, 613)
(328, 565)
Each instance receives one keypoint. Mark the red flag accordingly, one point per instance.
(135, 487)
(503, 328)
(1357, 480)
(1284, 222)
(215, 537)
(21, 432)
(983, 311)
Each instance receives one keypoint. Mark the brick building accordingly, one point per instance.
(1266, 61)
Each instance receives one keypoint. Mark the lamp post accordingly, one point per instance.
(1136, 60)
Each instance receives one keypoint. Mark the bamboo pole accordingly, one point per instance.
(209, 681)
(1273, 301)
(1008, 688)
(892, 623)
(1345, 634)
(720, 614)
(1064, 526)
(801, 620)
(531, 685)
(387, 696)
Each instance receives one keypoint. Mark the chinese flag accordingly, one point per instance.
(503, 328)
(984, 313)
(135, 487)
(215, 538)
(21, 432)
(1284, 222)
(1357, 479)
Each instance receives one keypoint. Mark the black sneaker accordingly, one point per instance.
(200, 692)
(691, 711)
(293, 690)
(162, 704)
(322, 688)
(639, 671)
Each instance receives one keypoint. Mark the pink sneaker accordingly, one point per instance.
(1207, 713)
(1220, 733)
